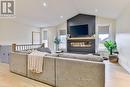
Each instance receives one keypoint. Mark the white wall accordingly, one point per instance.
(107, 21)
(52, 33)
(123, 21)
(62, 26)
(101, 21)
(13, 32)
(123, 43)
(123, 38)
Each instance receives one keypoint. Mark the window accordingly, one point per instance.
(45, 38)
(44, 35)
(103, 32)
(62, 36)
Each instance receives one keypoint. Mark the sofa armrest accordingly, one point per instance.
(79, 73)
(18, 63)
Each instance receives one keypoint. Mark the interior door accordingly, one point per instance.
(45, 38)
(35, 37)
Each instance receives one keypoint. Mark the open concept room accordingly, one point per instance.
(64, 43)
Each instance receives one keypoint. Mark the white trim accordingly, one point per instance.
(97, 35)
(124, 66)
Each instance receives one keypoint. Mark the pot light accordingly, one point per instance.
(61, 16)
(44, 4)
(96, 10)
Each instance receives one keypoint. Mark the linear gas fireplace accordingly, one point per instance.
(81, 34)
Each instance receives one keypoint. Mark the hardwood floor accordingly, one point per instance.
(116, 76)
(8, 79)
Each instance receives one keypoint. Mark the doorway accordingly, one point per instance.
(35, 37)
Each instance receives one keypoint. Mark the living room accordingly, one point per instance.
(83, 43)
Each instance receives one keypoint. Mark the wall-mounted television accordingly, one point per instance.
(79, 30)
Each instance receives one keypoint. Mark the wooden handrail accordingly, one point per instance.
(13, 47)
(16, 47)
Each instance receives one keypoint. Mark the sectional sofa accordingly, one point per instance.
(63, 70)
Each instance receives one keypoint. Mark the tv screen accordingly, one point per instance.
(79, 30)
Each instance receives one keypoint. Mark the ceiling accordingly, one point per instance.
(32, 12)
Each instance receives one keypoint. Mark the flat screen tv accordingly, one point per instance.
(79, 30)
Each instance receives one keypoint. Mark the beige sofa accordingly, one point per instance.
(18, 63)
(63, 72)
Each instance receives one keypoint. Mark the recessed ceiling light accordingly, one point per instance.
(96, 10)
(61, 16)
(44, 4)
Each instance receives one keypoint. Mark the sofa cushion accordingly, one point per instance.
(44, 50)
(82, 57)
(53, 55)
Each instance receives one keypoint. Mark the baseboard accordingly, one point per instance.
(124, 66)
